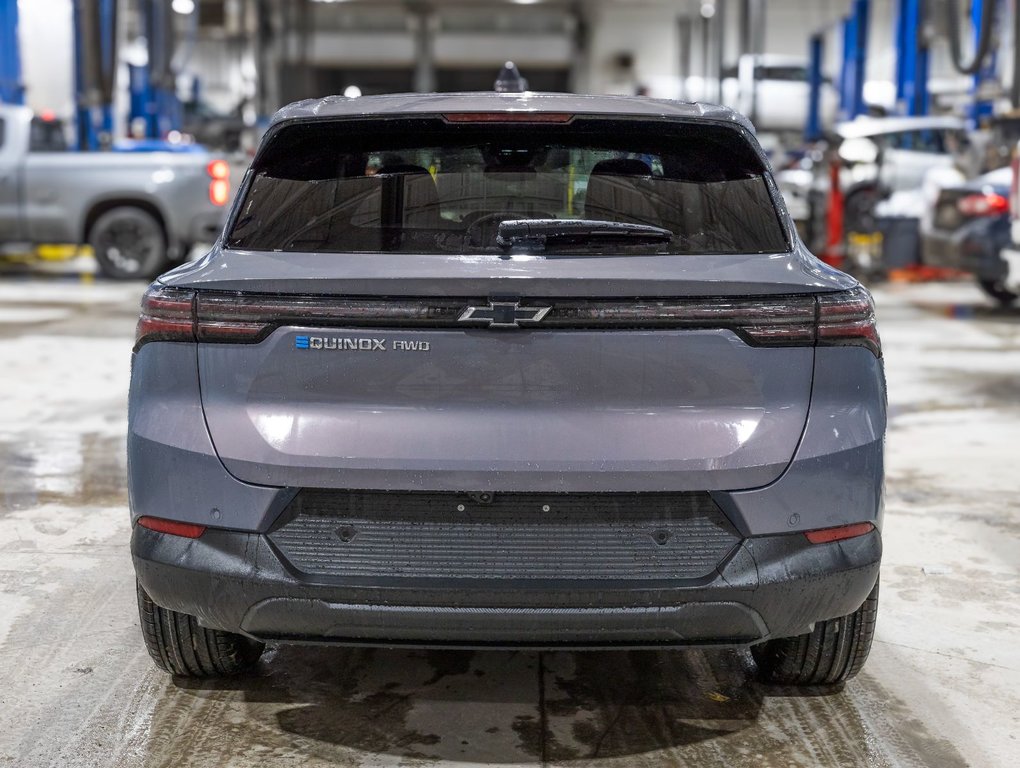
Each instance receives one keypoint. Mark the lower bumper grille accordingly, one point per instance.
(504, 535)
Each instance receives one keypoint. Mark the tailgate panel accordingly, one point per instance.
(519, 410)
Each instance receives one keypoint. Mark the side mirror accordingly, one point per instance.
(859, 151)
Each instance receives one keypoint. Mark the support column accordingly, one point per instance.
(720, 46)
(685, 42)
(580, 59)
(425, 23)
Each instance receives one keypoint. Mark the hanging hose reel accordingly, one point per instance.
(984, 42)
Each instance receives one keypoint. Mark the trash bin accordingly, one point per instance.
(901, 241)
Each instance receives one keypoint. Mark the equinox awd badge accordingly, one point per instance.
(359, 344)
(503, 314)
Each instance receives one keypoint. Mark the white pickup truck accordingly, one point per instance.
(139, 211)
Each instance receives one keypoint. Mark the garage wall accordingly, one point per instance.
(47, 51)
(630, 43)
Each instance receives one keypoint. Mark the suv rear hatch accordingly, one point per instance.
(361, 329)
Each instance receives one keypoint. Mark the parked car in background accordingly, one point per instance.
(508, 370)
(139, 211)
(970, 229)
(878, 157)
(884, 155)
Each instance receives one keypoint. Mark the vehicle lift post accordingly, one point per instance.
(95, 70)
(152, 86)
(12, 91)
(855, 54)
(851, 91)
(912, 58)
(813, 127)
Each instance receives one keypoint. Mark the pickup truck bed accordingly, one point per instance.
(138, 210)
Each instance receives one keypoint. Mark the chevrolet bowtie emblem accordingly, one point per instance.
(503, 314)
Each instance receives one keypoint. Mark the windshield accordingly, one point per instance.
(425, 186)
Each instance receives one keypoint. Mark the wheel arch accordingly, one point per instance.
(97, 208)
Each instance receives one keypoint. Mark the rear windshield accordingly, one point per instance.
(426, 186)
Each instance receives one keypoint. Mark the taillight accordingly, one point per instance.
(837, 319)
(167, 315)
(780, 321)
(848, 319)
(173, 527)
(219, 185)
(989, 204)
(839, 533)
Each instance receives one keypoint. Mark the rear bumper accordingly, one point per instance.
(770, 586)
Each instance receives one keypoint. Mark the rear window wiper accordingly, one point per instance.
(539, 233)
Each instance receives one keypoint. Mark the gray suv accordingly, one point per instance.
(508, 370)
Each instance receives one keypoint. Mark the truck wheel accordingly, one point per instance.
(996, 290)
(833, 652)
(178, 645)
(129, 243)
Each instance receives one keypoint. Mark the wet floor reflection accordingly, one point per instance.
(356, 706)
(62, 468)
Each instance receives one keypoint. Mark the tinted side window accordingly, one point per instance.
(3, 131)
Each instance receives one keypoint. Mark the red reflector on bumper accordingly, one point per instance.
(174, 528)
(825, 535)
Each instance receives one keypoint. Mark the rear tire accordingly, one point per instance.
(995, 289)
(833, 652)
(178, 645)
(129, 244)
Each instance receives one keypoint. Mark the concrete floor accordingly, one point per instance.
(77, 689)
